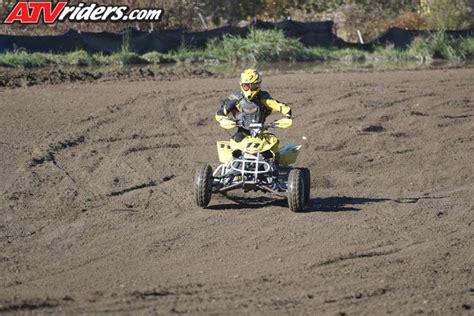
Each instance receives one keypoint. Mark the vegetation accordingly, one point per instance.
(449, 14)
(466, 47)
(369, 16)
(22, 59)
(258, 46)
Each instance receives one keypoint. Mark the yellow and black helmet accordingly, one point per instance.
(250, 82)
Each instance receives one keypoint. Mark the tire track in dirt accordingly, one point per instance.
(82, 140)
(180, 123)
(353, 256)
(388, 226)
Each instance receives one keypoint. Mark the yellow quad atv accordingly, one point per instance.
(255, 164)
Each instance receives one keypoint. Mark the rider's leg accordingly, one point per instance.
(276, 153)
(277, 158)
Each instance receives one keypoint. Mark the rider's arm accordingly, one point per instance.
(227, 106)
(274, 105)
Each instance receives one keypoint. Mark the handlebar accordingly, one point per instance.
(257, 125)
(282, 123)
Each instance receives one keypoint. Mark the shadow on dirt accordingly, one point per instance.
(240, 203)
(339, 204)
(329, 204)
(346, 203)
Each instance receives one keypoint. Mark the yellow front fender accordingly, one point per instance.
(258, 144)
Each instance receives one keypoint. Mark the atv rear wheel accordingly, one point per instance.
(296, 190)
(307, 184)
(203, 185)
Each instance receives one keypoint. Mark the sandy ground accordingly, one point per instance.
(97, 211)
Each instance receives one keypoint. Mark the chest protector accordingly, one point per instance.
(250, 112)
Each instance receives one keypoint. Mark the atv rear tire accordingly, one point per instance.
(307, 184)
(296, 190)
(203, 185)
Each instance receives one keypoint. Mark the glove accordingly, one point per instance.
(284, 123)
(227, 123)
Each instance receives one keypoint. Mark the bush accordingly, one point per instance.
(408, 20)
(259, 45)
(80, 58)
(466, 47)
(420, 50)
(448, 15)
(442, 47)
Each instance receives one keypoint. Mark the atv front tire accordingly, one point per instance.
(307, 184)
(296, 190)
(203, 185)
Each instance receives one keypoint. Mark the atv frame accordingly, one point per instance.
(244, 166)
(254, 174)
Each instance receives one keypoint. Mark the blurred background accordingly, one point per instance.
(371, 17)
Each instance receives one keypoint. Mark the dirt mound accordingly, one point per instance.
(97, 211)
(16, 78)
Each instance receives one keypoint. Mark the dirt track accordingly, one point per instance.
(97, 211)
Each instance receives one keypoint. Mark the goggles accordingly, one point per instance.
(251, 110)
(249, 86)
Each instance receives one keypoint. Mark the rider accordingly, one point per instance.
(251, 104)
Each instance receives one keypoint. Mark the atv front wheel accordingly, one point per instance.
(307, 184)
(296, 190)
(203, 185)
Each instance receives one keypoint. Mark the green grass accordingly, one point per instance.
(125, 58)
(466, 47)
(22, 59)
(157, 58)
(80, 58)
(258, 46)
(441, 47)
